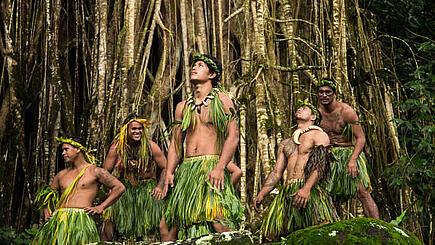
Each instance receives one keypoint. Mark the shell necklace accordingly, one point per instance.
(210, 96)
(298, 132)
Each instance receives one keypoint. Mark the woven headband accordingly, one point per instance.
(209, 62)
(327, 82)
(88, 157)
(313, 109)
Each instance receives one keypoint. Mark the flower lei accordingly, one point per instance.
(88, 157)
(209, 62)
(313, 109)
(327, 82)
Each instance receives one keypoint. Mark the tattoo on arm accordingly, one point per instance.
(104, 177)
(272, 179)
(288, 147)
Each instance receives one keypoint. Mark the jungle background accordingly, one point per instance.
(79, 67)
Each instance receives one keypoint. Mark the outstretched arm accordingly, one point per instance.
(176, 146)
(159, 192)
(111, 158)
(351, 117)
(277, 172)
(216, 176)
(115, 186)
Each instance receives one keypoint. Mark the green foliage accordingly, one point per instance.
(416, 169)
(355, 231)
(9, 236)
(399, 219)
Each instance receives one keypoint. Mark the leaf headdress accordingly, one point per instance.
(88, 157)
(123, 147)
(313, 109)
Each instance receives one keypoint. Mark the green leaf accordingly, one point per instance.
(399, 219)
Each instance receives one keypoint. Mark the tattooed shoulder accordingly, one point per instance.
(288, 146)
(104, 177)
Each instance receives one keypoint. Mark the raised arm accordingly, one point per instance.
(302, 195)
(115, 186)
(351, 117)
(159, 191)
(277, 172)
(111, 158)
(216, 176)
(176, 146)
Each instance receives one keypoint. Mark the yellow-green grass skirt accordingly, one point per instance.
(193, 202)
(68, 226)
(342, 186)
(136, 213)
(283, 218)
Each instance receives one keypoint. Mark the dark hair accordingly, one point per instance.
(330, 82)
(215, 80)
(130, 116)
(77, 139)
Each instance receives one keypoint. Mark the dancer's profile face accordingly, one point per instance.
(200, 72)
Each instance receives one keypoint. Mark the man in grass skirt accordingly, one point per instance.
(349, 177)
(203, 198)
(79, 183)
(138, 212)
(302, 200)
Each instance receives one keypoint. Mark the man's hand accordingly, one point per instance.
(352, 168)
(169, 180)
(257, 202)
(93, 210)
(216, 177)
(157, 193)
(47, 214)
(301, 197)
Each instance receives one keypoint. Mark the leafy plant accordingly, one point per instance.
(9, 236)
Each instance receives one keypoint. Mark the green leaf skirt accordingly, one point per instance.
(193, 201)
(342, 186)
(283, 218)
(68, 226)
(136, 213)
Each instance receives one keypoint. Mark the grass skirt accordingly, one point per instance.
(136, 213)
(283, 218)
(68, 226)
(342, 186)
(192, 203)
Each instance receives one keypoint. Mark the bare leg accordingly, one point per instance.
(167, 235)
(107, 231)
(369, 205)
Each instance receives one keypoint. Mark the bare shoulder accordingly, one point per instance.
(179, 110)
(349, 114)
(320, 137)
(114, 145)
(154, 146)
(227, 102)
(61, 173)
(102, 174)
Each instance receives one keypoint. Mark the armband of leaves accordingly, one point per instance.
(46, 197)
